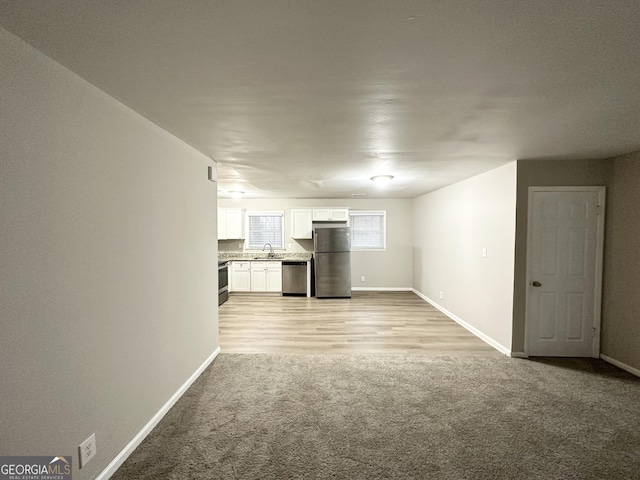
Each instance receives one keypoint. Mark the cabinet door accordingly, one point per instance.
(340, 214)
(258, 277)
(321, 214)
(301, 223)
(239, 277)
(240, 281)
(235, 223)
(258, 281)
(274, 278)
(222, 224)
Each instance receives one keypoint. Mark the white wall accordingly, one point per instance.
(390, 269)
(107, 274)
(452, 226)
(620, 299)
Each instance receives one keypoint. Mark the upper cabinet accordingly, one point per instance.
(330, 214)
(302, 219)
(231, 223)
(301, 223)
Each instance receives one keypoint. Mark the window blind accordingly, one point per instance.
(368, 230)
(265, 227)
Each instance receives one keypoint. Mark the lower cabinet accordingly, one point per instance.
(252, 276)
(240, 277)
(266, 276)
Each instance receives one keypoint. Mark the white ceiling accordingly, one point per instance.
(310, 98)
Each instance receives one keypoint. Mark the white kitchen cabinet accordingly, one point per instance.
(274, 277)
(330, 214)
(266, 276)
(240, 276)
(258, 277)
(302, 223)
(231, 223)
(222, 224)
(235, 223)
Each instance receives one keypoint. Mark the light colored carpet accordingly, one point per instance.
(398, 417)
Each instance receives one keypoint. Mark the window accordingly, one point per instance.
(368, 230)
(265, 227)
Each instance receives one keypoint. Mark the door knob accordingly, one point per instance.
(536, 284)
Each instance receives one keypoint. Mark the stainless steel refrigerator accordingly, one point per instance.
(332, 258)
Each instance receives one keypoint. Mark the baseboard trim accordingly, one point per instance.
(485, 338)
(519, 355)
(621, 365)
(146, 430)
(381, 289)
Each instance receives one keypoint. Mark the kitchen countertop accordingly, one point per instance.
(259, 257)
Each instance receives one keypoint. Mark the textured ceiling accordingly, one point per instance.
(307, 98)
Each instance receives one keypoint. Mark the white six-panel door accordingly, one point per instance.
(564, 271)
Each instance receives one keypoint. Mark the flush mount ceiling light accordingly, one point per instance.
(382, 179)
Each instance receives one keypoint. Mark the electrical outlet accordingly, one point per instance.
(362, 278)
(440, 295)
(87, 450)
(484, 253)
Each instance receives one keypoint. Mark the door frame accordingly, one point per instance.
(600, 224)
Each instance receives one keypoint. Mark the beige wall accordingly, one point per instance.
(544, 173)
(107, 274)
(621, 297)
(452, 226)
(389, 269)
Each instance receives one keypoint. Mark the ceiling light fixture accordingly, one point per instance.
(382, 179)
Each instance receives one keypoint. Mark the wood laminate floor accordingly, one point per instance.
(369, 322)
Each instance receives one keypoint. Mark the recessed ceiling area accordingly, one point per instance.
(310, 99)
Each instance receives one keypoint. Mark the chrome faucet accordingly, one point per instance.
(271, 254)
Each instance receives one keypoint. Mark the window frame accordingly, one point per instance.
(264, 213)
(363, 213)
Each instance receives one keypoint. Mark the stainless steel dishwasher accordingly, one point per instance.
(294, 278)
